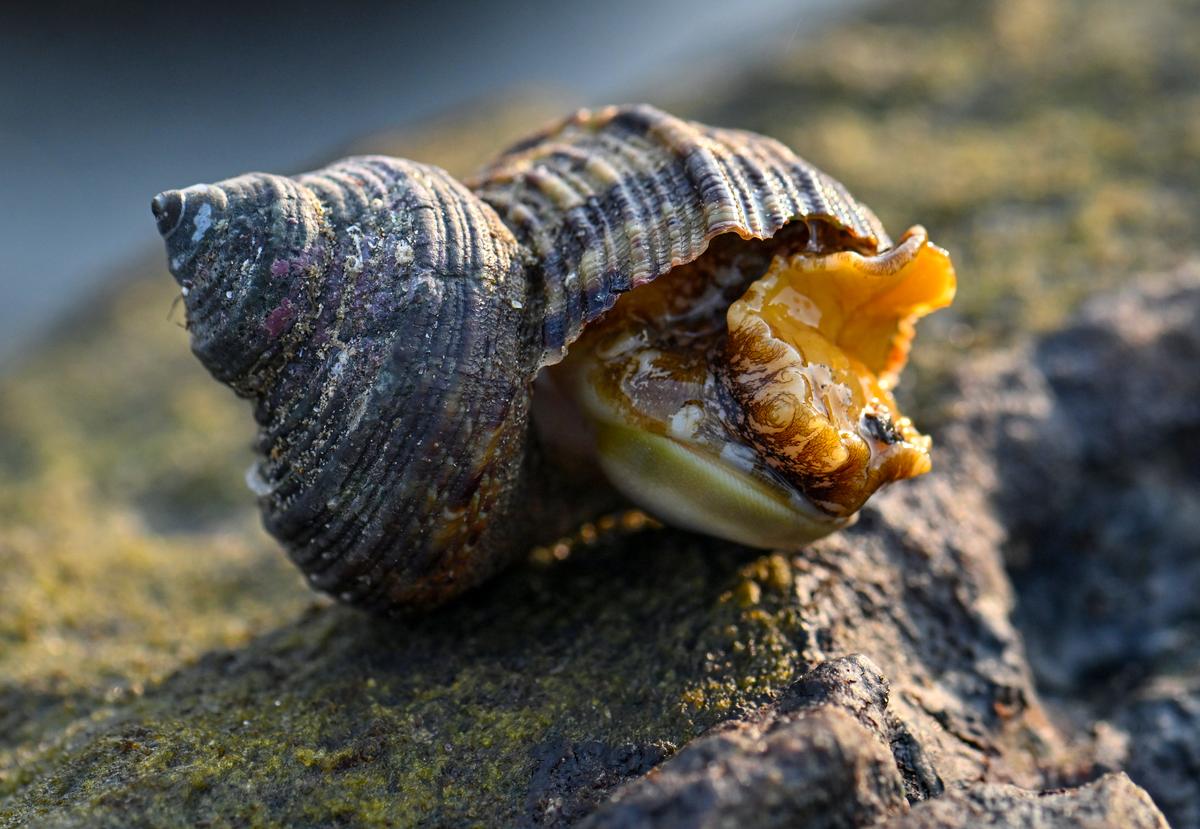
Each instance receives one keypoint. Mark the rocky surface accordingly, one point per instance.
(1110, 801)
(822, 755)
(162, 664)
(1109, 567)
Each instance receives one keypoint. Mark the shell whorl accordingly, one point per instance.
(612, 199)
(396, 421)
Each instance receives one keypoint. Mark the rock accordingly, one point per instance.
(818, 769)
(1105, 560)
(1096, 435)
(1113, 800)
(818, 757)
(1162, 724)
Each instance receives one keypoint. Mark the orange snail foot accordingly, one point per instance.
(815, 348)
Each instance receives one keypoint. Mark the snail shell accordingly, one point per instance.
(388, 324)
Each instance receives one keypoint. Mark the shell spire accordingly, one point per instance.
(335, 300)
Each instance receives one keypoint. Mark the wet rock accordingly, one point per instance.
(572, 778)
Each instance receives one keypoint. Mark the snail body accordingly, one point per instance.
(720, 322)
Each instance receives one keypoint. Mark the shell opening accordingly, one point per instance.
(814, 350)
(749, 394)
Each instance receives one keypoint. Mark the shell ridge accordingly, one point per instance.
(590, 219)
(445, 255)
(630, 228)
(656, 189)
(381, 462)
(654, 201)
(734, 201)
(357, 459)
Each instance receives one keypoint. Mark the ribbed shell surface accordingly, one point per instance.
(611, 199)
(400, 425)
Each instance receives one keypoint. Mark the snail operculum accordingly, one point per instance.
(748, 394)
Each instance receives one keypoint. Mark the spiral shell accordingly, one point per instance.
(388, 323)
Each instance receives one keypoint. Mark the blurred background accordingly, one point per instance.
(1053, 146)
(103, 105)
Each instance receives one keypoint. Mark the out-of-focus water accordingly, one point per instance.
(102, 106)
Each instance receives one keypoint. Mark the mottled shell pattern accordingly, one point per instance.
(608, 201)
(388, 323)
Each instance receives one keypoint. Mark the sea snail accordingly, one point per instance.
(716, 320)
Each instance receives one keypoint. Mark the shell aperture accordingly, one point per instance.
(814, 350)
(750, 398)
(390, 326)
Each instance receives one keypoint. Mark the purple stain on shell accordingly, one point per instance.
(278, 320)
(291, 267)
